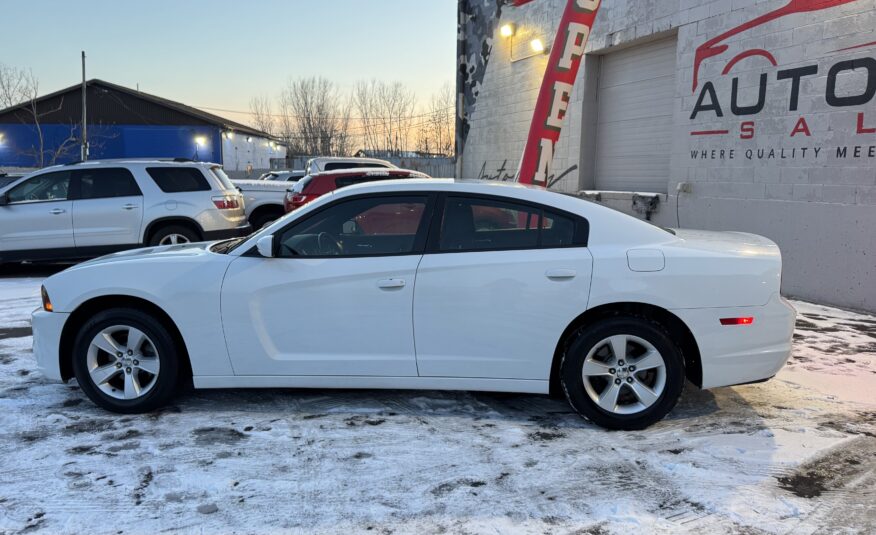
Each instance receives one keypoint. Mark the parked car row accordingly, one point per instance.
(87, 209)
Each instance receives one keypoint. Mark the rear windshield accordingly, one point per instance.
(223, 178)
(178, 179)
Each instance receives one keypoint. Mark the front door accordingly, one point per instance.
(337, 298)
(500, 284)
(37, 215)
(107, 207)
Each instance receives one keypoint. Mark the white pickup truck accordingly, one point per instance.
(263, 200)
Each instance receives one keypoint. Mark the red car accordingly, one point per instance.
(317, 184)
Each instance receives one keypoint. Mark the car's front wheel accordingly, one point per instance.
(623, 373)
(126, 361)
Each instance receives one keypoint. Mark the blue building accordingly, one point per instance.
(126, 123)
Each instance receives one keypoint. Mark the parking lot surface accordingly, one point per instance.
(794, 455)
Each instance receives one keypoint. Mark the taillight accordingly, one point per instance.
(226, 203)
(737, 321)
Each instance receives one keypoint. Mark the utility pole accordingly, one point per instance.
(84, 151)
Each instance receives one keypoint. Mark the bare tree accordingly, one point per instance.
(20, 87)
(386, 111)
(261, 111)
(315, 117)
(436, 134)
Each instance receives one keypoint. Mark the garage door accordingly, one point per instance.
(634, 118)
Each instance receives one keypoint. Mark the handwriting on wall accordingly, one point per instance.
(503, 174)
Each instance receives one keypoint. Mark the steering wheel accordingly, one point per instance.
(328, 244)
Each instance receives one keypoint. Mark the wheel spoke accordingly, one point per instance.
(148, 364)
(594, 368)
(106, 342)
(608, 397)
(132, 386)
(649, 360)
(173, 239)
(135, 339)
(104, 373)
(618, 346)
(645, 394)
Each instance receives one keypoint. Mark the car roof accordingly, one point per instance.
(375, 171)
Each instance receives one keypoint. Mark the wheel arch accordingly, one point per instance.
(687, 342)
(264, 209)
(156, 224)
(87, 309)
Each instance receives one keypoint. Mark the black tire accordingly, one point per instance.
(168, 376)
(592, 337)
(262, 218)
(170, 230)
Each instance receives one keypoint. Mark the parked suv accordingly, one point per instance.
(88, 209)
(283, 176)
(318, 184)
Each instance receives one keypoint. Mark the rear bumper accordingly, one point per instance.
(47, 328)
(243, 230)
(736, 354)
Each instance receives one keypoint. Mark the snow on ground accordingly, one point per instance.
(796, 454)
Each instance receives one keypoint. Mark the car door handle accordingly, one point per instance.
(57, 211)
(387, 284)
(560, 273)
(129, 206)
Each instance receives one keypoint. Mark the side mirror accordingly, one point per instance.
(265, 246)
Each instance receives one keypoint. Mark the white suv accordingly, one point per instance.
(93, 208)
(334, 163)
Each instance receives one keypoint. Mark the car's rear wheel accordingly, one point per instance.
(173, 235)
(623, 373)
(126, 361)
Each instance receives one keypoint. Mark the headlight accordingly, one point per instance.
(47, 303)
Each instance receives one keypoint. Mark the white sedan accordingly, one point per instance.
(428, 284)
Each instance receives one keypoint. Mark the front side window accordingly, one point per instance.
(358, 227)
(474, 224)
(105, 183)
(47, 187)
(178, 179)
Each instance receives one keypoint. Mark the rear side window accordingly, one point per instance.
(342, 182)
(220, 175)
(334, 166)
(178, 179)
(104, 183)
(474, 224)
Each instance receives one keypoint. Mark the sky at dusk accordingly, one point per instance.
(220, 53)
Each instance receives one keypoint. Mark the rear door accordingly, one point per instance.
(107, 207)
(498, 285)
(38, 214)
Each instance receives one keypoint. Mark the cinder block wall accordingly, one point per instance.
(820, 208)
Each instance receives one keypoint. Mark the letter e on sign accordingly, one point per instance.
(559, 104)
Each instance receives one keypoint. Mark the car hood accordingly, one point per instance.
(164, 251)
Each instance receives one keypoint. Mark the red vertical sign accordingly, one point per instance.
(556, 90)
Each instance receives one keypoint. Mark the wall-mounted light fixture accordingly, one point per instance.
(249, 139)
(229, 135)
(1, 138)
(507, 30)
(537, 46)
(200, 141)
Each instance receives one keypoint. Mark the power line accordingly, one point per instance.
(280, 115)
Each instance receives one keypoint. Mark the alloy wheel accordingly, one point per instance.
(624, 374)
(123, 362)
(173, 239)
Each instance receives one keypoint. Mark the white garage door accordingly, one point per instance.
(634, 119)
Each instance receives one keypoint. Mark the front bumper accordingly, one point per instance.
(737, 354)
(224, 234)
(47, 328)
